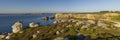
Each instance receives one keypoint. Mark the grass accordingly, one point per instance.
(116, 18)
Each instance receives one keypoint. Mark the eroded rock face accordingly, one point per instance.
(17, 27)
(33, 24)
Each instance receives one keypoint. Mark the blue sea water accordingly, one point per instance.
(7, 20)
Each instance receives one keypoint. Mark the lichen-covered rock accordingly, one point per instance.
(17, 27)
(33, 24)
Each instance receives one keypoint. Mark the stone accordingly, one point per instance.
(69, 26)
(58, 32)
(55, 22)
(7, 37)
(116, 24)
(59, 38)
(21, 32)
(79, 23)
(84, 27)
(91, 21)
(2, 36)
(34, 35)
(45, 18)
(9, 34)
(62, 31)
(101, 24)
(33, 24)
(17, 27)
(38, 31)
(63, 20)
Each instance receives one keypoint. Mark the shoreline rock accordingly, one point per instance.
(17, 27)
(33, 24)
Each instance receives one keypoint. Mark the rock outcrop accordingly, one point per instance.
(17, 27)
(33, 24)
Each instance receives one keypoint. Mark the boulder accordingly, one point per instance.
(17, 27)
(33, 24)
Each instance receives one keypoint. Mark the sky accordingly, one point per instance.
(53, 6)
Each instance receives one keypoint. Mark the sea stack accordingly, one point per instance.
(33, 24)
(17, 27)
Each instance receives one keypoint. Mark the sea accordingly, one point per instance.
(7, 20)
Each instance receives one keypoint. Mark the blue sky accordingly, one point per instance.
(43, 6)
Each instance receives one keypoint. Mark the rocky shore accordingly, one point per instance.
(69, 27)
